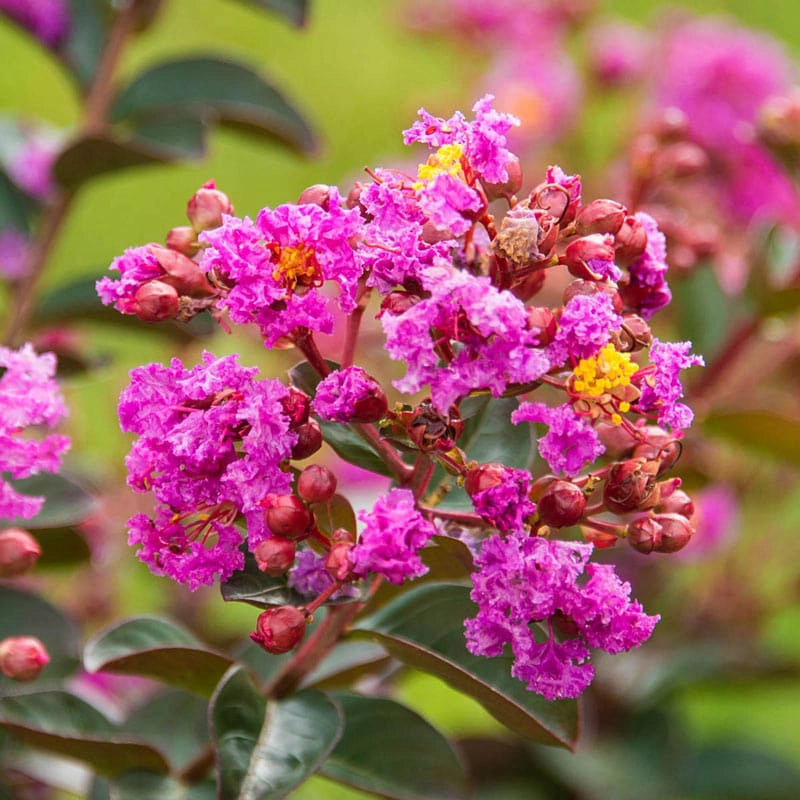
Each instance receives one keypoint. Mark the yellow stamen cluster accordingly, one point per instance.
(445, 161)
(296, 265)
(600, 374)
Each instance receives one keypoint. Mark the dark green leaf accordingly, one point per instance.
(81, 51)
(66, 502)
(306, 378)
(705, 311)
(209, 88)
(266, 750)
(99, 154)
(352, 448)
(27, 614)
(78, 300)
(63, 723)
(61, 546)
(424, 628)
(390, 750)
(346, 662)
(15, 207)
(336, 513)
(154, 722)
(294, 10)
(138, 784)
(760, 431)
(159, 649)
(185, 137)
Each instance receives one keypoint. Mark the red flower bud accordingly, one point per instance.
(19, 551)
(430, 430)
(676, 502)
(396, 303)
(542, 320)
(373, 405)
(183, 239)
(485, 476)
(156, 301)
(511, 185)
(22, 658)
(630, 484)
(309, 440)
(275, 555)
(600, 216)
(278, 630)
(318, 195)
(182, 273)
(338, 561)
(530, 285)
(562, 504)
(287, 516)
(659, 446)
(596, 246)
(634, 335)
(630, 241)
(316, 484)
(662, 533)
(206, 207)
(296, 405)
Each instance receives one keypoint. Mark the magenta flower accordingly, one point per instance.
(521, 580)
(618, 52)
(394, 533)
(506, 505)
(584, 327)
(308, 576)
(344, 394)
(136, 266)
(29, 396)
(571, 442)
(274, 269)
(646, 290)
(47, 20)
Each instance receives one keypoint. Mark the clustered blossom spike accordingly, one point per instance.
(29, 396)
(457, 283)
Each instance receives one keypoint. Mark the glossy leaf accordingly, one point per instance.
(78, 300)
(25, 614)
(63, 723)
(15, 207)
(81, 51)
(266, 750)
(759, 431)
(336, 513)
(205, 87)
(392, 751)
(154, 722)
(347, 662)
(158, 649)
(66, 501)
(424, 629)
(183, 136)
(141, 784)
(293, 10)
(352, 448)
(305, 377)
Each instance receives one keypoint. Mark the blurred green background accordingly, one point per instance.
(359, 75)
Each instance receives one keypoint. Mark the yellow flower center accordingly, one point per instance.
(445, 161)
(600, 374)
(296, 265)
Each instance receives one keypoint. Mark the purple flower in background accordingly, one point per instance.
(571, 441)
(522, 580)
(618, 52)
(47, 20)
(32, 168)
(394, 533)
(29, 396)
(14, 249)
(716, 522)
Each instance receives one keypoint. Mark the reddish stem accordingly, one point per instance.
(304, 339)
(464, 517)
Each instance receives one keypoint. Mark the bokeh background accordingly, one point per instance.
(359, 73)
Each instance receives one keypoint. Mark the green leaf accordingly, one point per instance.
(347, 662)
(759, 431)
(15, 207)
(98, 154)
(424, 628)
(336, 513)
(705, 311)
(210, 88)
(61, 546)
(183, 136)
(154, 722)
(352, 448)
(141, 784)
(63, 723)
(390, 750)
(294, 10)
(26, 614)
(81, 51)
(266, 750)
(156, 648)
(66, 502)
(253, 586)
(78, 300)
(305, 377)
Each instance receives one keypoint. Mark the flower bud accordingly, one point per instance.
(206, 207)
(562, 504)
(309, 440)
(318, 195)
(286, 515)
(19, 551)
(430, 430)
(511, 185)
(432, 235)
(275, 555)
(22, 658)
(182, 273)
(578, 287)
(530, 285)
(338, 562)
(183, 239)
(280, 629)
(483, 477)
(634, 335)
(372, 404)
(598, 246)
(661, 533)
(676, 502)
(296, 405)
(316, 484)
(542, 321)
(156, 301)
(354, 197)
(659, 446)
(398, 302)
(600, 216)
(630, 241)
(629, 485)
